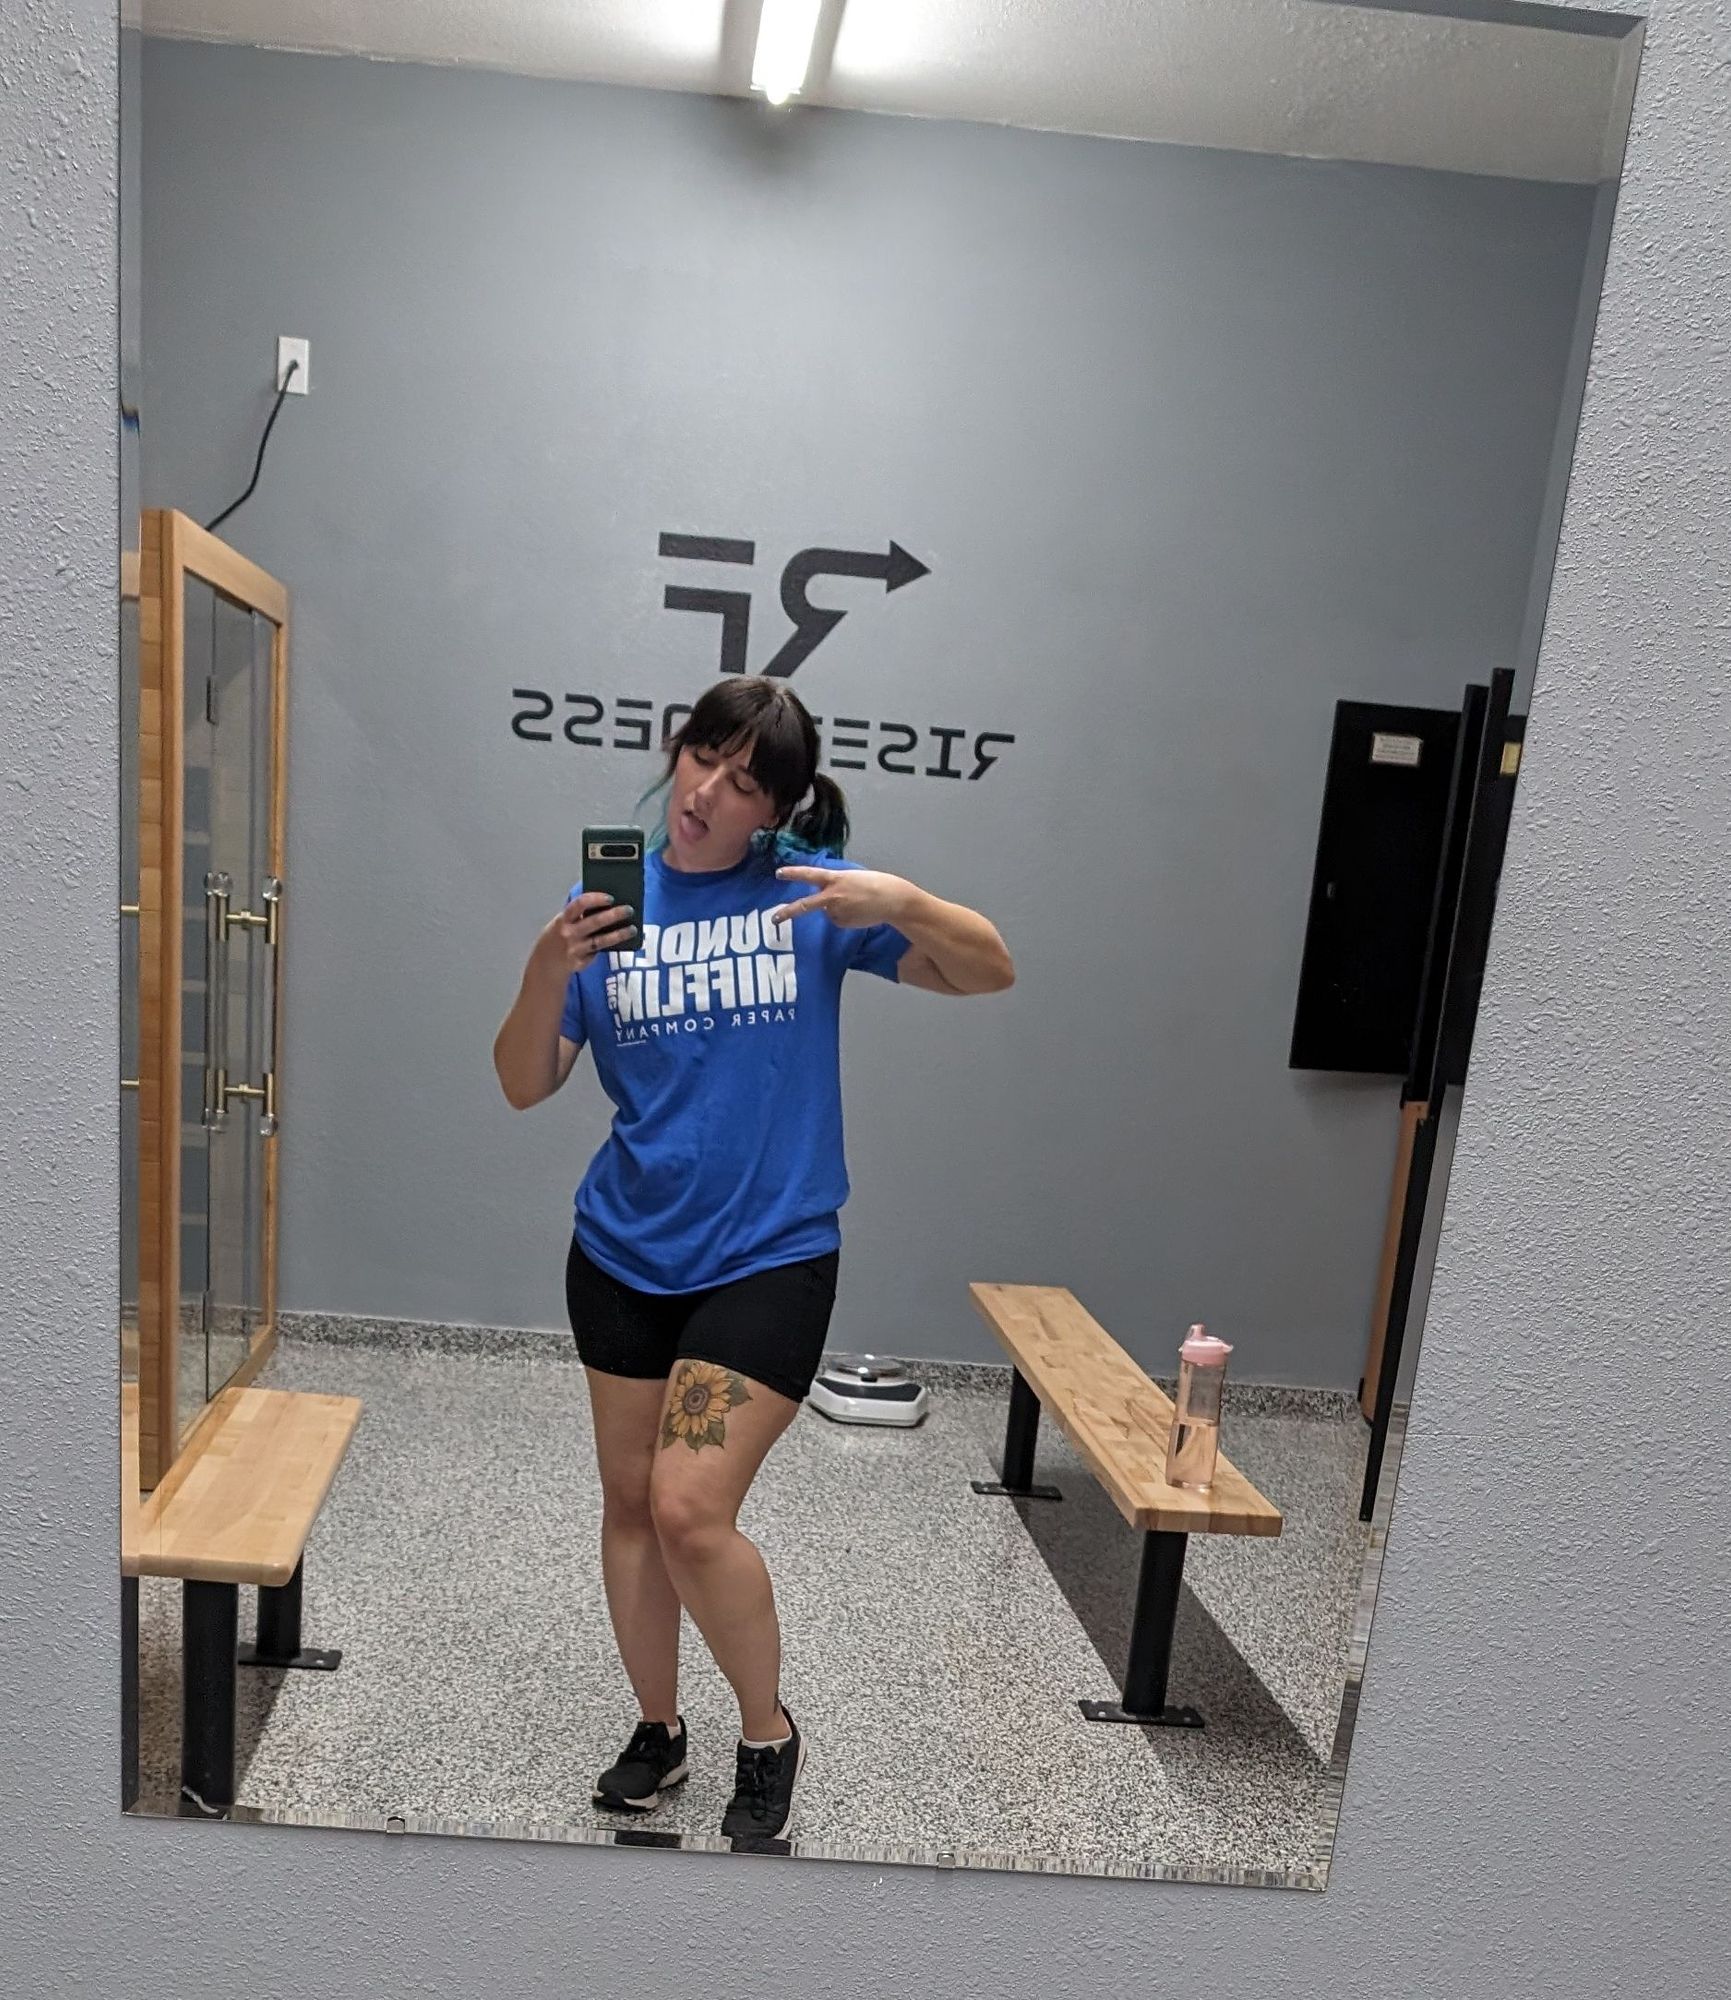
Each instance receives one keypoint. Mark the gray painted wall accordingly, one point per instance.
(1538, 1800)
(1195, 443)
(131, 271)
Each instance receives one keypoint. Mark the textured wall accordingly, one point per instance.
(1537, 1805)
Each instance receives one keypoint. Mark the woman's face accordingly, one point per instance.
(713, 809)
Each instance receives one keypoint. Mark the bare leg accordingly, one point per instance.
(717, 1431)
(641, 1599)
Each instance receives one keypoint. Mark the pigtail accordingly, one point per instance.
(823, 826)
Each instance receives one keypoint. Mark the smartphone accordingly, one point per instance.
(613, 865)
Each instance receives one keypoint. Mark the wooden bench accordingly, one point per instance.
(236, 1507)
(1067, 1364)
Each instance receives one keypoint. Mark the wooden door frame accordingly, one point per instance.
(173, 547)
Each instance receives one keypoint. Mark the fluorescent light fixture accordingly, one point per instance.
(784, 38)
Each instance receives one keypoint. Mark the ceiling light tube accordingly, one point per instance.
(785, 35)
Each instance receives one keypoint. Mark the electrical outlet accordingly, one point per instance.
(294, 350)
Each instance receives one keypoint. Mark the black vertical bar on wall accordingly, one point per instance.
(128, 1693)
(1445, 904)
(1020, 1433)
(1421, 1075)
(1454, 972)
(1481, 865)
(1400, 1299)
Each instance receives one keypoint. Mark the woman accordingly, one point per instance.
(702, 1268)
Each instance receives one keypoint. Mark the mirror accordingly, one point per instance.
(1152, 534)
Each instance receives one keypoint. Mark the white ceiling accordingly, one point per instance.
(1307, 77)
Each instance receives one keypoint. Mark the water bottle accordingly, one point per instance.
(1193, 1444)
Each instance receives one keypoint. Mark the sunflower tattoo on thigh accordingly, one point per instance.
(698, 1403)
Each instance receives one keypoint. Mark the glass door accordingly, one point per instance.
(204, 793)
(243, 896)
(197, 988)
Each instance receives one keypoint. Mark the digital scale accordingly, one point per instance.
(867, 1389)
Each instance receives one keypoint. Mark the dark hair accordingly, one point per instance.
(766, 716)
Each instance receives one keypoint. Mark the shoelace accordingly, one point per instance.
(642, 1748)
(756, 1778)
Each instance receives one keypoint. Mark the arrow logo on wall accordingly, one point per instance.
(813, 623)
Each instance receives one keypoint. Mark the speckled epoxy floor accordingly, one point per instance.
(936, 1642)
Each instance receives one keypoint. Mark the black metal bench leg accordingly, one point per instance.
(209, 1620)
(128, 1693)
(279, 1632)
(1019, 1436)
(1157, 1591)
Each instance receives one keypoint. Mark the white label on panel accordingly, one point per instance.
(1385, 749)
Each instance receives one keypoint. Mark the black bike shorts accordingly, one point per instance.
(770, 1327)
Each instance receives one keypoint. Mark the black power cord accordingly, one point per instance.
(258, 464)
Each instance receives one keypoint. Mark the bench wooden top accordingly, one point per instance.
(1113, 1415)
(238, 1504)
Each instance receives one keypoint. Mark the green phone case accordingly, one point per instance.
(613, 865)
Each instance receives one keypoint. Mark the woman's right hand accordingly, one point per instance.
(587, 926)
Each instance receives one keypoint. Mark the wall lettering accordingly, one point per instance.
(941, 750)
(851, 743)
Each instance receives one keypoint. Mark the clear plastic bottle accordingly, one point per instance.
(1193, 1444)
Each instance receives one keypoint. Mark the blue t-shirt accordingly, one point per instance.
(718, 1041)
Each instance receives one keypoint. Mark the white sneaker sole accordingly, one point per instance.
(786, 1832)
(612, 1802)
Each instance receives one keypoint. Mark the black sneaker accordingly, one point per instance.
(653, 1762)
(762, 1805)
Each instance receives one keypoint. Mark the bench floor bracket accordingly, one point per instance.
(1179, 1717)
(997, 1487)
(312, 1659)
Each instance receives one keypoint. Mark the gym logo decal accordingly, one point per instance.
(630, 722)
(812, 623)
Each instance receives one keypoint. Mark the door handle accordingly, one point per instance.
(262, 1094)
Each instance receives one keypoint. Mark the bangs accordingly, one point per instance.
(742, 715)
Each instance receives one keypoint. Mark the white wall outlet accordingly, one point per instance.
(294, 350)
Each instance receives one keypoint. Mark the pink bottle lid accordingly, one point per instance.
(1202, 1350)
